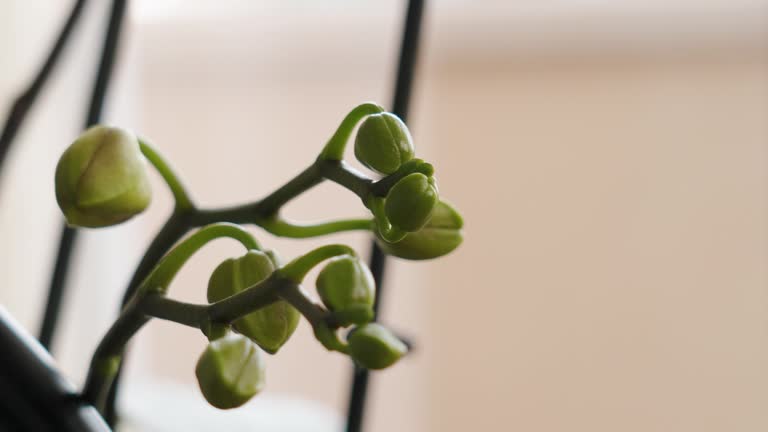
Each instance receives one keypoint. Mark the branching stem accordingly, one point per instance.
(158, 267)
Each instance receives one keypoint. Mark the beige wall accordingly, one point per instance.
(614, 273)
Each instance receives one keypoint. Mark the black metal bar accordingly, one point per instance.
(26, 99)
(35, 396)
(57, 287)
(400, 105)
(68, 239)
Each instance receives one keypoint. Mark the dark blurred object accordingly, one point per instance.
(34, 396)
(26, 99)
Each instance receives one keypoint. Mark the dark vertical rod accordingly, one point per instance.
(57, 286)
(400, 105)
(27, 98)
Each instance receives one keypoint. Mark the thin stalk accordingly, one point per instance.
(334, 149)
(180, 194)
(297, 269)
(107, 359)
(283, 228)
(173, 229)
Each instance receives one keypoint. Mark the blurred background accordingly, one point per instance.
(610, 160)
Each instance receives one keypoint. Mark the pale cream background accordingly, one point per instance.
(611, 161)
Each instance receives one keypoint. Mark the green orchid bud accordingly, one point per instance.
(440, 236)
(383, 143)
(230, 371)
(101, 179)
(373, 346)
(271, 326)
(346, 287)
(410, 202)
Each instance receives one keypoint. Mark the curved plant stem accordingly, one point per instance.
(174, 228)
(180, 194)
(107, 358)
(297, 269)
(318, 317)
(334, 149)
(264, 212)
(169, 266)
(341, 173)
(269, 206)
(283, 228)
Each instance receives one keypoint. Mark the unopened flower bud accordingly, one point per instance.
(440, 236)
(373, 346)
(410, 202)
(271, 326)
(346, 287)
(383, 143)
(101, 179)
(230, 371)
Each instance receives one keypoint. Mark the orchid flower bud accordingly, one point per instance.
(410, 202)
(271, 326)
(346, 287)
(101, 179)
(373, 346)
(440, 236)
(230, 371)
(383, 143)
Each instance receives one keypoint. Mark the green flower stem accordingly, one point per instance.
(283, 228)
(108, 355)
(334, 149)
(272, 203)
(297, 269)
(106, 360)
(186, 216)
(340, 172)
(183, 220)
(269, 206)
(264, 208)
(256, 297)
(225, 311)
(180, 194)
(317, 316)
(313, 312)
(166, 269)
(174, 228)
(159, 306)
